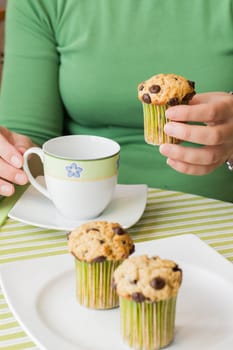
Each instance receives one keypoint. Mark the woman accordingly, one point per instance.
(72, 66)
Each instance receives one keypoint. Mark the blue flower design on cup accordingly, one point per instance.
(73, 170)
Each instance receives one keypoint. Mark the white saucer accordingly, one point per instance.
(126, 208)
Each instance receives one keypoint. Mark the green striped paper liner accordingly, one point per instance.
(147, 325)
(154, 121)
(94, 284)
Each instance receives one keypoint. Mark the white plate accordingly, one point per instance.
(41, 295)
(126, 208)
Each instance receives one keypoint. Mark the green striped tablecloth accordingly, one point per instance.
(167, 214)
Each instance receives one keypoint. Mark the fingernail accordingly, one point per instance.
(6, 189)
(16, 161)
(161, 148)
(20, 179)
(165, 149)
(170, 129)
(170, 112)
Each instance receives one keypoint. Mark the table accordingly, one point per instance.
(167, 214)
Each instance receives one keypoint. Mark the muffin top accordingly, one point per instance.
(98, 241)
(166, 89)
(149, 279)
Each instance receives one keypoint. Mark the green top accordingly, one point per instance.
(72, 66)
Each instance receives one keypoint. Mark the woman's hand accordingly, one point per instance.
(12, 147)
(215, 110)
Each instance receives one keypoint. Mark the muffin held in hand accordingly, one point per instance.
(98, 247)
(147, 287)
(157, 94)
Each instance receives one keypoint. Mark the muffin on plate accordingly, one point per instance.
(157, 94)
(148, 288)
(98, 247)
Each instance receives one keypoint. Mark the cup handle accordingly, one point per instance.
(39, 152)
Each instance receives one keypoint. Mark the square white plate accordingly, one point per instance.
(126, 208)
(41, 293)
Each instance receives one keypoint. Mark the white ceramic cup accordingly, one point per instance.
(80, 173)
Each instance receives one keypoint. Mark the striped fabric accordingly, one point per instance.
(167, 214)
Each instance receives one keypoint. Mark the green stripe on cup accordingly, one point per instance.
(82, 170)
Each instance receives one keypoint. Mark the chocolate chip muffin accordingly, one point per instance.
(148, 288)
(98, 247)
(157, 94)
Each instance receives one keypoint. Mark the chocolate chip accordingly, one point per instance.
(154, 89)
(118, 230)
(188, 97)
(141, 87)
(132, 249)
(191, 83)
(133, 282)
(173, 101)
(176, 268)
(157, 283)
(99, 259)
(68, 235)
(138, 297)
(101, 241)
(146, 98)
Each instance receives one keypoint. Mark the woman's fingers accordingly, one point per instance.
(12, 174)
(201, 134)
(206, 121)
(208, 97)
(204, 109)
(12, 147)
(208, 155)
(191, 169)
(6, 188)
(9, 153)
(21, 142)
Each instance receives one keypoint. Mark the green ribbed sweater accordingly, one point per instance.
(72, 66)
